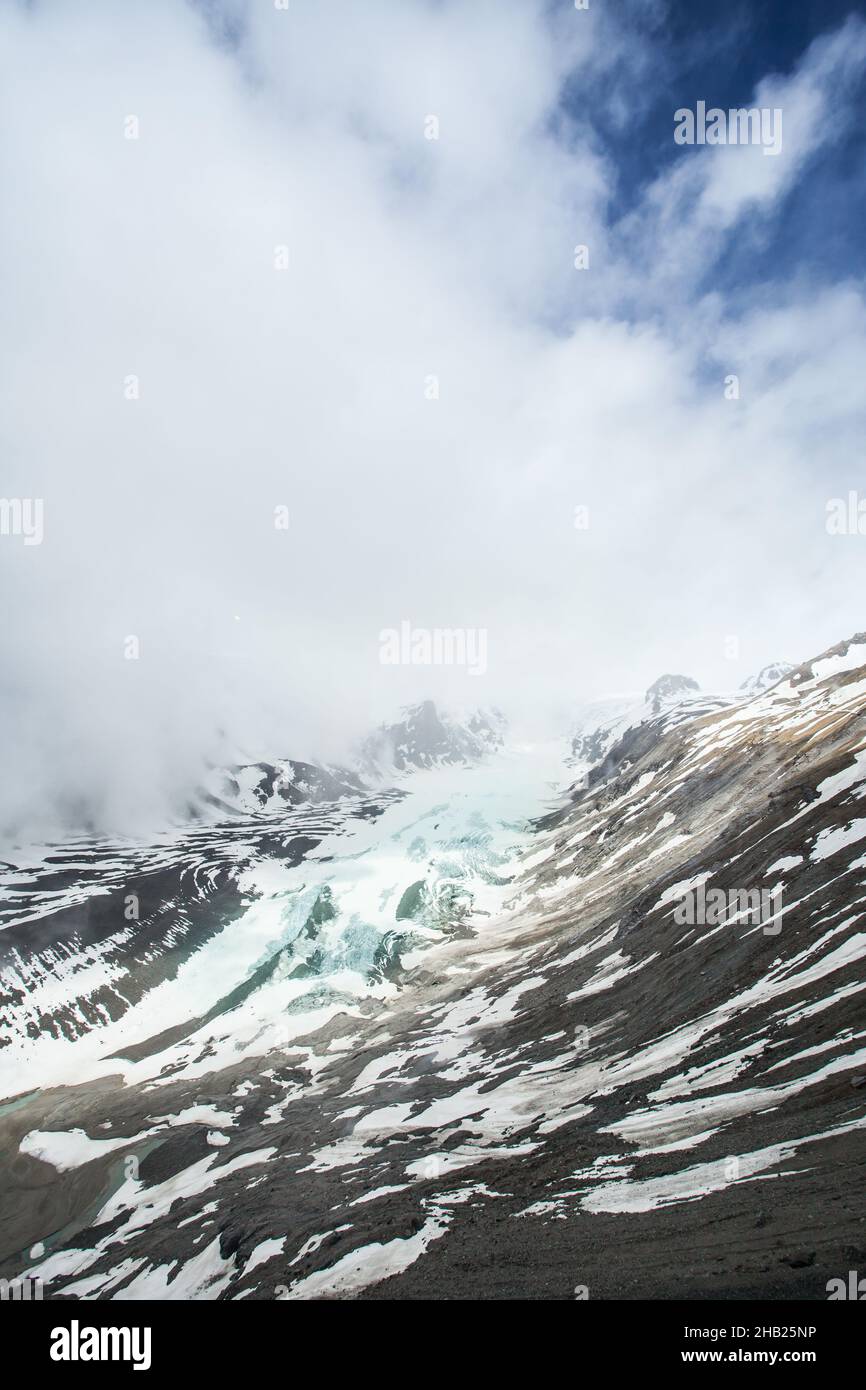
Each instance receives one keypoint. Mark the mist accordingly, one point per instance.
(296, 349)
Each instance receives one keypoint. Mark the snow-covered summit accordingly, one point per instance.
(425, 736)
(671, 699)
(767, 677)
(667, 689)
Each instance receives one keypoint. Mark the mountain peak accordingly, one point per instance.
(765, 678)
(667, 688)
(425, 736)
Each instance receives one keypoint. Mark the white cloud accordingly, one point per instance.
(305, 387)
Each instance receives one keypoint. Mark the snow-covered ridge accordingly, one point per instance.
(426, 737)
(249, 788)
(599, 726)
(423, 736)
(849, 655)
(766, 678)
(589, 1062)
(670, 700)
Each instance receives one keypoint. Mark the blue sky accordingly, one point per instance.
(719, 54)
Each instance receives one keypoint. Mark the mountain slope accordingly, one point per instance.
(669, 701)
(766, 678)
(609, 1085)
(252, 787)
(672, 699)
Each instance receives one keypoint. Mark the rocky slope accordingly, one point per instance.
(252, 787)
(609, 1083)
(603, 723)
(671, 698)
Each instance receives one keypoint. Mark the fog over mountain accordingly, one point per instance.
(296, 351)
(433, 679)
